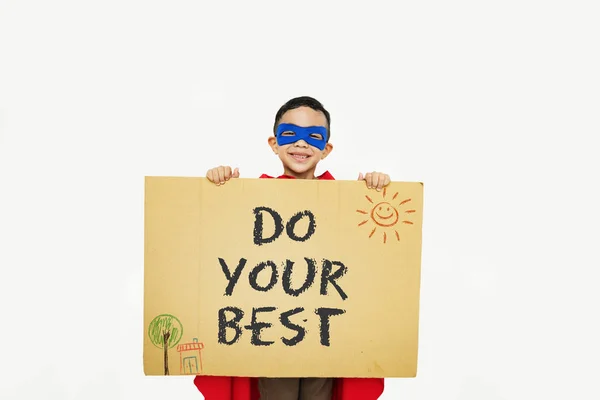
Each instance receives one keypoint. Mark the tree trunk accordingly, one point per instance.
(166, 350)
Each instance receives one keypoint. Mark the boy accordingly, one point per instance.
(301, 141)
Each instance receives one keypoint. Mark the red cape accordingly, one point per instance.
(242, 388)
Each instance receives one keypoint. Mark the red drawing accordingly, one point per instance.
(190, 357)
(386, 215)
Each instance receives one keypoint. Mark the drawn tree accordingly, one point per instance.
(165, 332)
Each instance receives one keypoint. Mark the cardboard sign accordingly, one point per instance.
(281, 278)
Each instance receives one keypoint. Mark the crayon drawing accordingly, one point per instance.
(165, 332)
(385, 215)
(190, 357)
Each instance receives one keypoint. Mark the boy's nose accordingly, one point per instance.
(301, 143)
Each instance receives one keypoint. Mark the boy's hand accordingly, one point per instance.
(375, 180)
(220, 175)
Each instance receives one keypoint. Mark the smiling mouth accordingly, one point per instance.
(388, 217)
(300, 157)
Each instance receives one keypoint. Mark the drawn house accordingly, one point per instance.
(190, 357)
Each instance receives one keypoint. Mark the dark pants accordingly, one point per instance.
(295, 388)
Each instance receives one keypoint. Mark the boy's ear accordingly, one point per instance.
(328, 148)
(273, 143)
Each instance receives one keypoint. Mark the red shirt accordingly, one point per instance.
(243, 388)
(324, 176)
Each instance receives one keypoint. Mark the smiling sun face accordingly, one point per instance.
(386, 215)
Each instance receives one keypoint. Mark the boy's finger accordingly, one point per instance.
(227, 173)
(387, 180)
(369, 179)
(360, 176)
(221, 172)
(209, 175)
(236, 173)
(381, 183)
(376, 181)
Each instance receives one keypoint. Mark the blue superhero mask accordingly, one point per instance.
(301, 133)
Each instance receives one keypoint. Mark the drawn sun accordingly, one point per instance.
(385, 215)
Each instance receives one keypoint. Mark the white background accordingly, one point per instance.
(494, 105)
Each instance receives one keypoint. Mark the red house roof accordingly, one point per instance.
(190, 346)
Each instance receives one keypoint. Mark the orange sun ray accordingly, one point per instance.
(373, 231)
(364, 222)
(368, 198)
(384, 191)
(363, 212)
(384, 237)
(408, 211)
(397, 235)
(405, 201)
(396, 194)
(407, 222)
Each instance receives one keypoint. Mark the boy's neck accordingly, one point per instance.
(305, 175)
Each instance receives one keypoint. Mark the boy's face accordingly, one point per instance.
(300, 159)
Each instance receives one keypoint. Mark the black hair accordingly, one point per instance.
(303, 101)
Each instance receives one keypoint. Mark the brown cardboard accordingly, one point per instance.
(191, 223)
